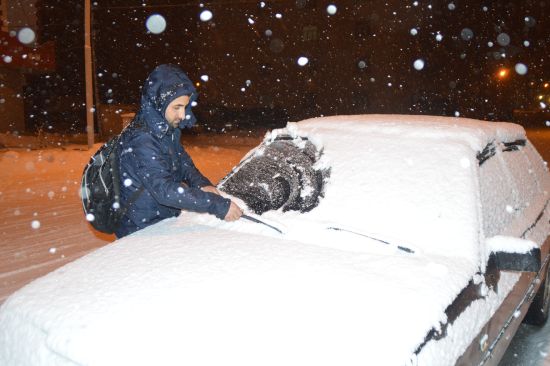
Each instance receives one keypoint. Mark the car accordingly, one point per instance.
(367, 239)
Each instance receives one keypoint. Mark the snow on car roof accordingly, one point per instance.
(474, 132)
(202, 291)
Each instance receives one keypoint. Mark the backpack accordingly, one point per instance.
(100, 188)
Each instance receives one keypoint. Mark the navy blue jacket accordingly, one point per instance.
(152, 157)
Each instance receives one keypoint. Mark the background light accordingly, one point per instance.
(503, 73)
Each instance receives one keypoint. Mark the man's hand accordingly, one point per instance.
(234, 213)
(210, 189)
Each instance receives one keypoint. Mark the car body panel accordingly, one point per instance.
(490, 344)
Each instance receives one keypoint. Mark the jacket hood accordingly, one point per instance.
(163, 85)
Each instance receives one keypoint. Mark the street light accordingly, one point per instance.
(503, 73)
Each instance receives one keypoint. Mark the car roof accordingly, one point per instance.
(477, 133)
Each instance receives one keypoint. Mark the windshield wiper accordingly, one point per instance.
(400, 247)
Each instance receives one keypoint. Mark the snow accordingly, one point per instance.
(26, 35)
(437, 219)
(206, 15)
(418, 64)
(302, 61)
(187, 286)
(331, 9)
(509, 244)
(446, 350)
(521, 68)
(156, 24)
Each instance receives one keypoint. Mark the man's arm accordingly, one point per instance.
(156, 176)
(196, 179)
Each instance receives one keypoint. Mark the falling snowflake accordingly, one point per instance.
(467, 34)
(418, 64)
(156, 24)
(26, 35)
(521, 69)
(303, 61)
(206, 15)
(503, 39)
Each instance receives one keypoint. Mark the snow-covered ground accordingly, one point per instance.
(42, 222)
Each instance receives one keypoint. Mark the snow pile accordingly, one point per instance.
(509, 244)
(203, 291)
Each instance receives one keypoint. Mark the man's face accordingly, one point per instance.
(175, 112)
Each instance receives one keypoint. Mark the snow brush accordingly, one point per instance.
(253, 219)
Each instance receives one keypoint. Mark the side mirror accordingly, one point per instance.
(513, 254)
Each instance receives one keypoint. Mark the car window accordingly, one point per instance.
(511, 187)
(498, 194)
(538, 167)
(521, 172)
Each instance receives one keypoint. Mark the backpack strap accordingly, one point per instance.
(116, 174)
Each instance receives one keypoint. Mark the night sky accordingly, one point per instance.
(415, 57)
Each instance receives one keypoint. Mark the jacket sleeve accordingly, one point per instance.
(191, 175)
(155, 174)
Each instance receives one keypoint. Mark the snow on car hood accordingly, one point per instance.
(201, 291)
(204, 296)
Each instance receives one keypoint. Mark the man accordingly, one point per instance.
(158, 177)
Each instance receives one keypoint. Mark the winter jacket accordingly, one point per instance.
(153, 160)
